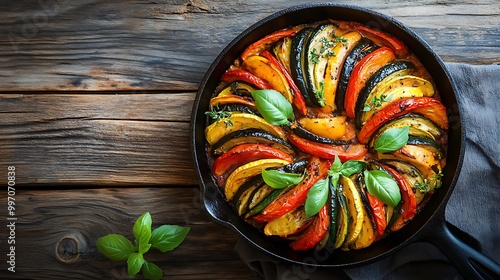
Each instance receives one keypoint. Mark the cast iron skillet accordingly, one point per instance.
(428, 225)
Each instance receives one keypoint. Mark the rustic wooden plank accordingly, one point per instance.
(98, 45)
(56, 233)
(105, 139)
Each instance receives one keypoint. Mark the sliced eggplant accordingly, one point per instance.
(344, 220)
(251, 135)
(329, 244)
(360, 50)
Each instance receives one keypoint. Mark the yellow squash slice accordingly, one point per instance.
(355, 206)
(332, 127)
(262, 68)
(239, 121)
(247, 171)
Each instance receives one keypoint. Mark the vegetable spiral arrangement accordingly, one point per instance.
(328, 135)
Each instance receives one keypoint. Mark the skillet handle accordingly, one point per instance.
(469, 262)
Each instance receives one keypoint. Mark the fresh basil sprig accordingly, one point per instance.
(392, 140)
(273, 106)
(119, 248)
(382, 186)
(280, 180)
(318, 194)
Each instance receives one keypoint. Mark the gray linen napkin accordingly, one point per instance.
(474, 206)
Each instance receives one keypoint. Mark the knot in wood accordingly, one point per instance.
(67, 250)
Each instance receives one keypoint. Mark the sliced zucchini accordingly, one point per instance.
(239, 121)
(373, 81)
(297, 62)
(251, 135)
(418, 126)
(396, 89)
(287, 224)
(243, 173)
(367, 234)
(240, 108)
(360, 50)
(259, 194)
(329, 243)
(243, 195)
(264, 203)
(319, 50)
(243, 89)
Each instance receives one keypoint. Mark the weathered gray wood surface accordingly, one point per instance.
(95, 100)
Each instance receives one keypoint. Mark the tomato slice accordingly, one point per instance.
(262, 44)
(428, 107)
(317, 169)
(298, 99)
(378, 210)
(242, 154)
(409, 201)
(344, 152)
(383, 38)
(363, 70)
(315, 233)
(245, 76)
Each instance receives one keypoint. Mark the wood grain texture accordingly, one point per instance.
(137, 45)
(105, 139)
(45, 218)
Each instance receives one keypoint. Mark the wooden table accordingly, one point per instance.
(94, 115)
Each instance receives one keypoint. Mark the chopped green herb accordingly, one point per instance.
(340, 39)
(314, 56)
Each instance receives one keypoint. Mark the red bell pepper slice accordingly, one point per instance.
(242, 154)
(245, 76)
(409, 201)
(317, 169)
(314, 233)
(428, 107)
(344, 152)
(363, 70)
(378, 211)
(298, 99)
(382, 38)
(262, 44)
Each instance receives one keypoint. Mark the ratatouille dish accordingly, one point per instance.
(329, 135)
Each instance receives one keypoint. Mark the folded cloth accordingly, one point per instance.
(473, 206)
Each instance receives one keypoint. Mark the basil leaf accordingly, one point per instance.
(392, 140)
(116, 247)
(336, 166)
(316, 197)
(273, 106)
(168, 237)
(280, 180)
(382, 186)
(134, 263)
(151, 271)
(142, 231)
(352, 166)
